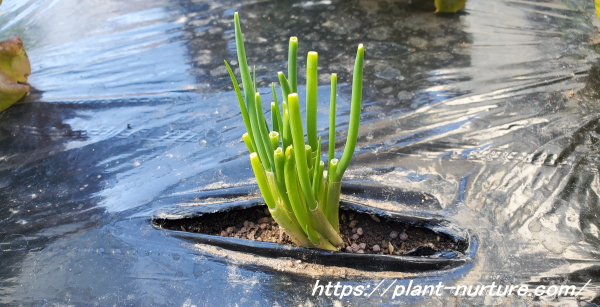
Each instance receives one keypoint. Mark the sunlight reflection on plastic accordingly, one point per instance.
(13, 243)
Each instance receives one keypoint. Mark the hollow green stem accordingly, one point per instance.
(355, 106)
(277, 195)
(332, 113)
(248, 142)
(333, 204)
(321, 224)
(293, 64)
(332, 169)
(274, 138)
(285, 85)
(300, 155)
(296, 234)
(274, 93)
(309, 157)
(279, 157)
(275, 112)
(261, 136)
(332, 195)
(256, 124)
(271, 195)
(241, 103)
(286, 139)
(315, 161)
(258, 137)
(254, 78)
(274, 117)
(325, 244)
(311, 98)
(243, 63)
(261, 179)
(318, 178)
(322, 196)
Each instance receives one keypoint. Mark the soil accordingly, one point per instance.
(361, 233)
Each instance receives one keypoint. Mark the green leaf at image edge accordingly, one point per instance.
(449, 6)
(14, 70)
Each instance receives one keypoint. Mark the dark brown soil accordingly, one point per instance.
(362, 233)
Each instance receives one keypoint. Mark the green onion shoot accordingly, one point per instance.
(301, 190)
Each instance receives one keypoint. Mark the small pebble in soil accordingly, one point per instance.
(353, 223)
(359, 231)
(230, 230)
(224, 233)
(376, 248)
(360, 251)
(354, 247)
(403, 236)
(355, 237)
(393, 234)
(362, 245)
(348, 249)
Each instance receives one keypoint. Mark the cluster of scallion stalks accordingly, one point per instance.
(302, 197)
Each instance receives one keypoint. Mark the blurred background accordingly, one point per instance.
(494, 110)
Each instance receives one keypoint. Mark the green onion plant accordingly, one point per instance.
(301, 191)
